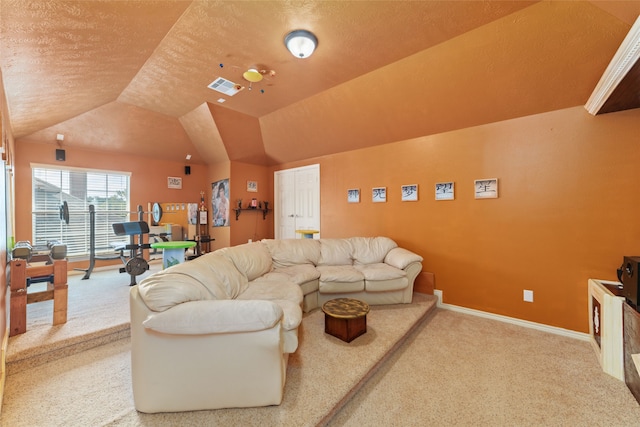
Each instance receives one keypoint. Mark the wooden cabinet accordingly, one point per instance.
(632, 350)
(605, 325)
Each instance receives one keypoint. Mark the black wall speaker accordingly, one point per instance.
(187, 170)
(60, 155)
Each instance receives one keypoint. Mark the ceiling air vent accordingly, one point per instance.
(225, 86)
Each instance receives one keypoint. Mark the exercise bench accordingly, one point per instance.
(136, 264)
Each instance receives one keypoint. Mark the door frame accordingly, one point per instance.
(276, 196)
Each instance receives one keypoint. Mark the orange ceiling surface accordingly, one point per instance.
(132, 76)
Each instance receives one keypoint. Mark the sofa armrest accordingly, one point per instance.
(215, 316)
(401, 258)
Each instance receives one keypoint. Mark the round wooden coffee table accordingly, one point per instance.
(345, 318)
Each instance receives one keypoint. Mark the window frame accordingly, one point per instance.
(112, 204)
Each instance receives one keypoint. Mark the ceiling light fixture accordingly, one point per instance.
(252, 75)
(301, 43)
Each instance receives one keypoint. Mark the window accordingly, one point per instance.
(107, 191)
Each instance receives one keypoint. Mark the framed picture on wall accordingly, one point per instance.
(193, 213)
(252, 186)
(379, 194)
(220, 203)
(445, 191)
(486, 188)
(174, 182)
(353, 195)
(410, 193)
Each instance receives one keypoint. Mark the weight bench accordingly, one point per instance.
(136, 264)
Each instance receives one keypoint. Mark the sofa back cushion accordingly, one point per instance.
(335, 252)
(163, 290)
(370, 250)
(218, 273)
(209, 277)
(288, 252)
(251, 259)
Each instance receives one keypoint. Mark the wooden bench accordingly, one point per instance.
(21, 276)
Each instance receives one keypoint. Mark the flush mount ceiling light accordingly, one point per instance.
(301, 43)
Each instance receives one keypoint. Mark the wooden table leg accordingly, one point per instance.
(60, 290)
(18, 305)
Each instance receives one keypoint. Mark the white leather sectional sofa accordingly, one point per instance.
(216, 332)
(371, 269)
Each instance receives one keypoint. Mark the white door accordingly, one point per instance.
(297, 201)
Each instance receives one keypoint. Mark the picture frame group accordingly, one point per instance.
(486, 188)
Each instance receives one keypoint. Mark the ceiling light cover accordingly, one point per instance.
(301, 43)
(252, 75)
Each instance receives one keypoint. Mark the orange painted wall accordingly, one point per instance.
(567, 208)
(148, 178)
(565, 212)
(250, 225)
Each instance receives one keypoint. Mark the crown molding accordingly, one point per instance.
(624, 59)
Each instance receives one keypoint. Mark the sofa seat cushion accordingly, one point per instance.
(297, 274)
(306, 276)
(266, 289)
(340, 279)
(286, 294)
(380, 271)
(381, 277)
(211, 317)
(386, 285)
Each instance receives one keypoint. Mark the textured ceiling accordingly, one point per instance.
(132, 76)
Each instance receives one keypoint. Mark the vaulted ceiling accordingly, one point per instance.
(132, 75)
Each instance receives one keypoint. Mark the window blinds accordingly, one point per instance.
(107, 191)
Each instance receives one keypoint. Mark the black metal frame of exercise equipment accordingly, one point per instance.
(135, 265)
(134, 262)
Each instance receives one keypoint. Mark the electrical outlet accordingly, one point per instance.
(528, 295)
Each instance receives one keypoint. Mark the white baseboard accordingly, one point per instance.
(525, 323)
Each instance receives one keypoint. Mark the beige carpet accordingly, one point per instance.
(454, 369)
(462, 370)
(93, 387)
(97, 313)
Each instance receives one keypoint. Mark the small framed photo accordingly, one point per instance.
(410, 193)
(252, 186)
(174, 182)
(445, 191)
(486, 188)
(379, 194)
(353, 195)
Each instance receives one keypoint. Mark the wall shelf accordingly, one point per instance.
(264, 211)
